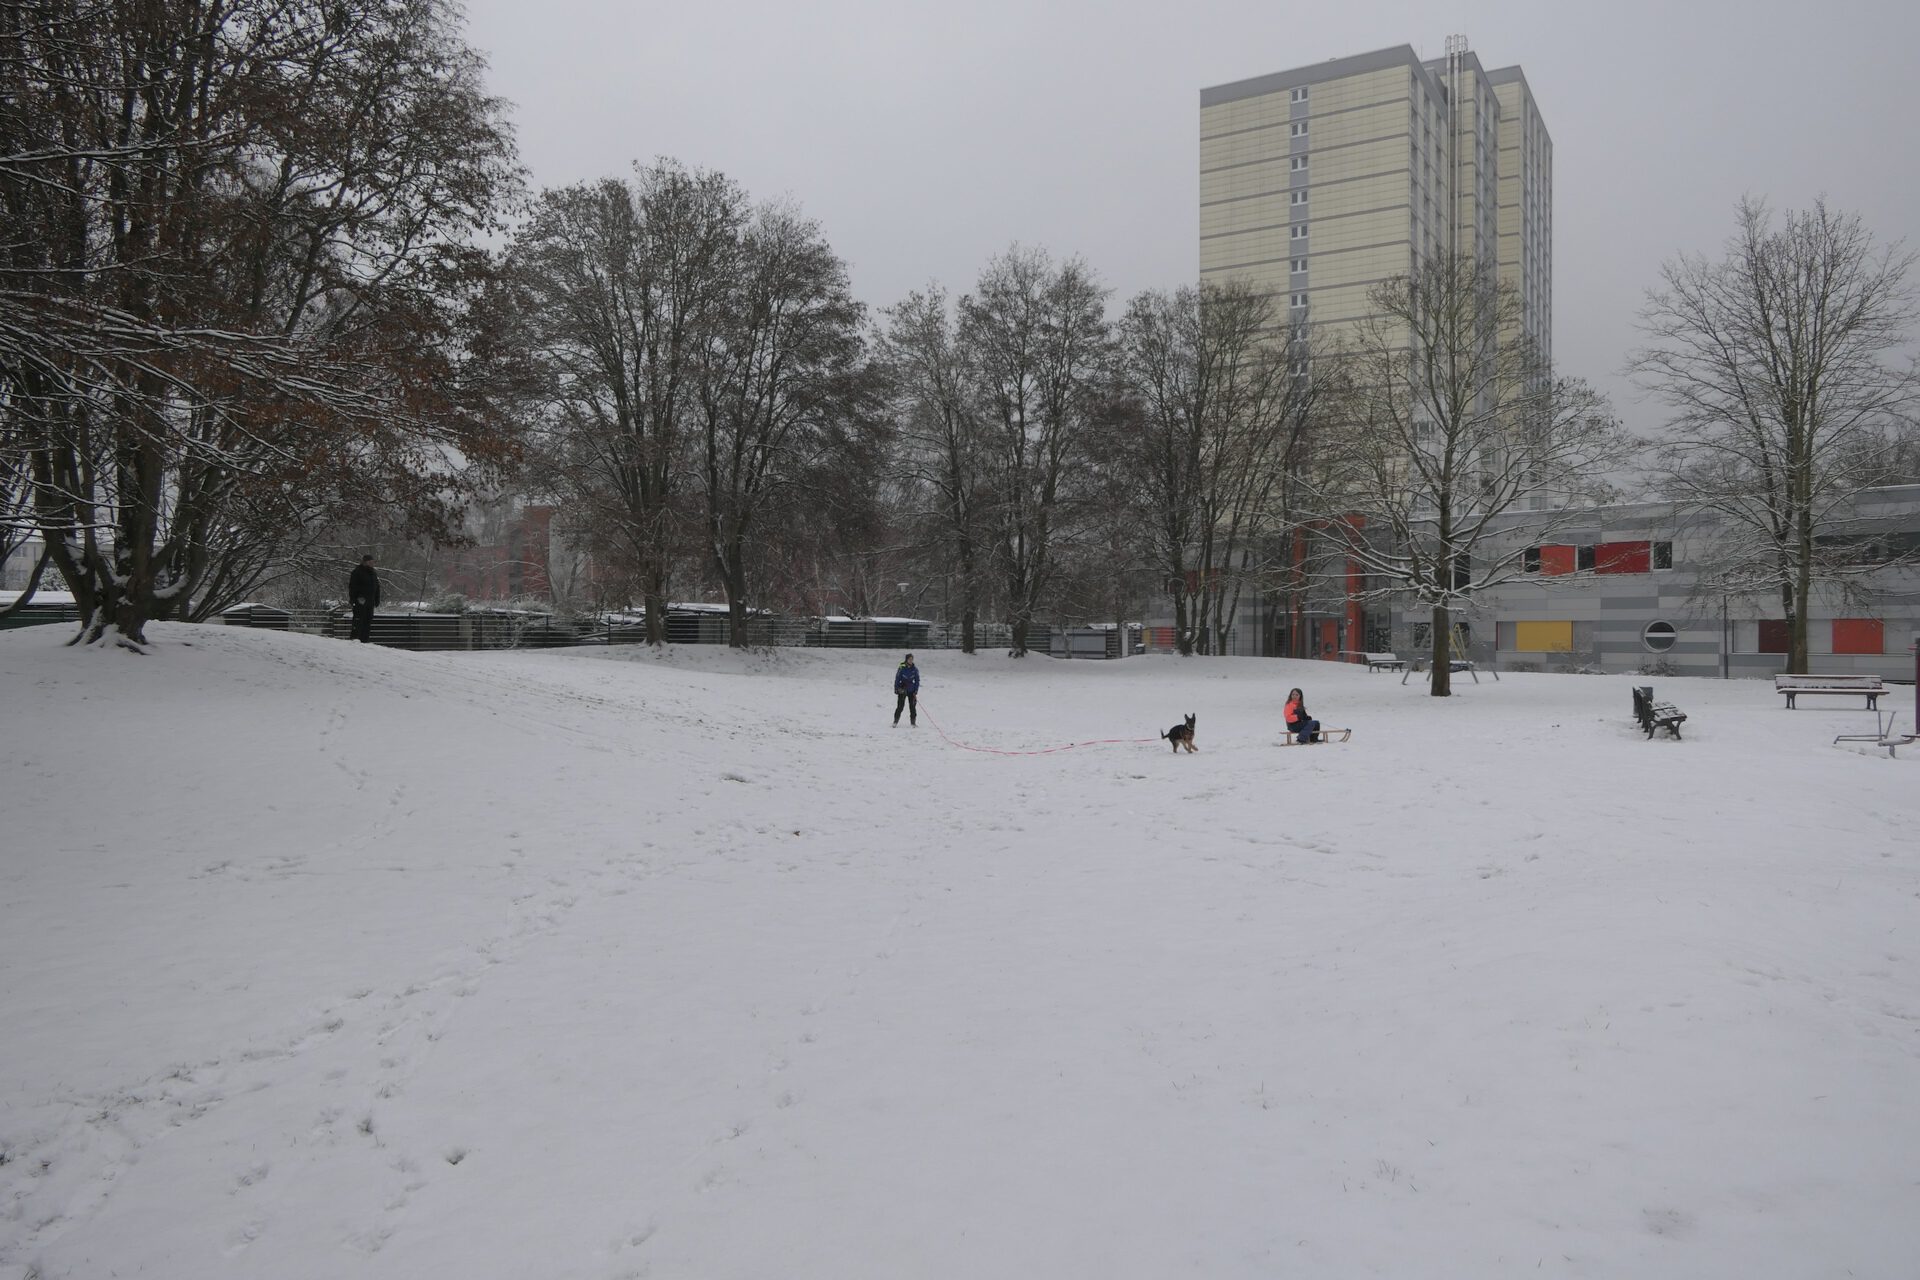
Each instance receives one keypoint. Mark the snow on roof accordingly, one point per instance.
(39, 597)
(841, 618)
(501, 610)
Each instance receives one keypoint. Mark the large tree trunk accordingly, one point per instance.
(1224, 613)
(1021, 625)
(1019, 599)
(1799, 659)
(733, 576)
(655, 591)
(1442, 672)
(969, 600)
(1792, 610)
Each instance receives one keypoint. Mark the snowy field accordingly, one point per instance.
(326, 961)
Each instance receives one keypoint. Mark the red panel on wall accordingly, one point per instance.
(1859, 635)
(1556, 560)
(1623, 557)
(1773, 635)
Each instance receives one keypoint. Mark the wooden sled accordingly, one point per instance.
(1326, 735)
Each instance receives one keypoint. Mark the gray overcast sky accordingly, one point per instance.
(925, 138)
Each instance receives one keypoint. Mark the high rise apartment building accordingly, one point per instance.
(1317, 184)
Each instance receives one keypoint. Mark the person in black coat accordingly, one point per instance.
(363, 589)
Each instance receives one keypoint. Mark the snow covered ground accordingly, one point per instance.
(319, 960)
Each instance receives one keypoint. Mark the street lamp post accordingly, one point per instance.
(1725, 641)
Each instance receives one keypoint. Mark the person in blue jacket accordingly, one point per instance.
(906, 692)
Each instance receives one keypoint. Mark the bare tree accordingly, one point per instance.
(828, 539)
(235, 271)
(621, 289)
(17, 526)
(1451, 439)
(940, 423)
(1036, 336)
(1784, 365)
(1221, 407)
(781, 377)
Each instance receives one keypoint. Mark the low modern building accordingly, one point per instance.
(1632, 588)
(1627, 588)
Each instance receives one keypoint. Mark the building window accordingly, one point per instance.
(1300, 94)
(1867, 548)
(1543, 637)
(1298, 163)
(1299, 197)
(1299, 301)
(1774, 636)
(1859, 635)
(1658, 637)
(1556, 560)
(1622, 557)
(1299, 231)
(1603, 557)
(1299, 266)
(1299, 129)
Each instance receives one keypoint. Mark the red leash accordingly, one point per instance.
(1044, 751)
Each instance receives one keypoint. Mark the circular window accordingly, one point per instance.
(1659, 637)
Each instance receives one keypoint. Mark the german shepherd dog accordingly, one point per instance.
(1181, 735)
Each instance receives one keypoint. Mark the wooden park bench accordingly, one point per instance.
(1655, 715)
(1383, 662)
(1793, 686)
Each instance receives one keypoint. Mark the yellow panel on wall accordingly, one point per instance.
(1543, 637)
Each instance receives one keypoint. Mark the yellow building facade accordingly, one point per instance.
(1319, 183)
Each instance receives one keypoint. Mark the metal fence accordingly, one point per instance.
(417, 631)
(40, 615)
(503, 629)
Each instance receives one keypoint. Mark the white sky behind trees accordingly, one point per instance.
(926, 138)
